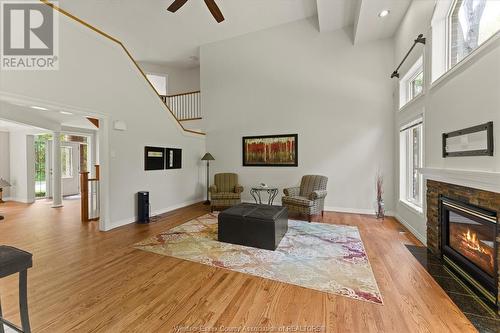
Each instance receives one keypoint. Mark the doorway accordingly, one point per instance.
(75, 158)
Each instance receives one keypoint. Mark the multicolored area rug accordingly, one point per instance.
(325, 257)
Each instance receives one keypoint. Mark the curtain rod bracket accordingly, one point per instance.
(420, 39)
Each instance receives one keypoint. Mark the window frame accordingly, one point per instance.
(410, 92)
(405, 91)
(70, 162)
(449, 39)
(406, 164)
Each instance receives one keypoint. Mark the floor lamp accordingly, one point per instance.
(208, 157)
(3, 183)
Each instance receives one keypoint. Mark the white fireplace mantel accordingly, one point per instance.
(482, 180)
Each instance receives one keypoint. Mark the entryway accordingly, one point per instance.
(75, 158)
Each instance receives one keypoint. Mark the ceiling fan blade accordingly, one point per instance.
(176, 5)
(214, 9)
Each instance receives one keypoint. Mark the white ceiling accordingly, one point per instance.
(336, 14)
(369, 26)
(154, 35)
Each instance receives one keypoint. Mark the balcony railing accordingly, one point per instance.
(186, 106)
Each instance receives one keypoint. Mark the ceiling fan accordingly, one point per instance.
(212, 7)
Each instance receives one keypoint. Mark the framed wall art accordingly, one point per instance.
(271, 150)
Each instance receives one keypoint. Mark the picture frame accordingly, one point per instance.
(173, 158)
(270, 150)
(471, 141)
(154, 158)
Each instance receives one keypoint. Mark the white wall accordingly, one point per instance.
(5, 160)
(95, 77)
(291, 79)
(466, 96)
(22, 167)
(180, 80)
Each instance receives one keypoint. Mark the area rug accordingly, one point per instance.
(325, 257)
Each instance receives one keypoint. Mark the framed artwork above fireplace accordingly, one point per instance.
(472, 141)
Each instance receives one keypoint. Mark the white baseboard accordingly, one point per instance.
(23, 200)
(420, 237)
(130, 220)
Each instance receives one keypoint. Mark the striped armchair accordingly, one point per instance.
(225, 192)
(309, 198)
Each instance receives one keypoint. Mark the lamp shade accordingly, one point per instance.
(207, 157)
(4, 183)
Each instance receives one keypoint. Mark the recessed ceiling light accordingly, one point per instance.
(38, 108)
(65, 112)
(384, 13)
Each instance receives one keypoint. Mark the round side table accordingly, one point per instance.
(256, 191)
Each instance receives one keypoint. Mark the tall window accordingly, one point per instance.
(411, 155)
(471, 23)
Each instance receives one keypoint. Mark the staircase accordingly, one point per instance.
(185, 106)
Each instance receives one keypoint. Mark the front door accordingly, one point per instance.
(70, 168)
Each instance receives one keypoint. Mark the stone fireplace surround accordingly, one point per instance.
(482, 198)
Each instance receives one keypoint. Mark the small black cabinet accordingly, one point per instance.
(143, 207)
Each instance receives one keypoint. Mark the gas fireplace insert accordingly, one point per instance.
(469, 247)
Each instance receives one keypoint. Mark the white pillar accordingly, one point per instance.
(56, 170)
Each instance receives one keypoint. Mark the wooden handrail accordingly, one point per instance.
(73, 17)
(181, 94)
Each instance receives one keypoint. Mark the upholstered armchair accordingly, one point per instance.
(308, 198)
(225, 192)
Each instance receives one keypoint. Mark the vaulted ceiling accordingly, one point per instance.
(153, 34)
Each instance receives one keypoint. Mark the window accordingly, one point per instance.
(159, 82)
(411, 159)
(67, 162)
(412, 84)
(471, 23)
(416, 85)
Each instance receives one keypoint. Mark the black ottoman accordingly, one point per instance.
(261, 226)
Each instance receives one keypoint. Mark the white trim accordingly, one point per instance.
(482, 180)
(414, 208)
(422, 238)
(412, 102)
(16, 199)
(123, 222)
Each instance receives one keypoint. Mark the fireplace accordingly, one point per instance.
(469, 246)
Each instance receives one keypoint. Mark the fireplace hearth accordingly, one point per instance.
(468, 244)
(462, 229)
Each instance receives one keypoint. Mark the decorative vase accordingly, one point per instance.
(380, 209)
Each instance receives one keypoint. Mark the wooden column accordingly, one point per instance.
(84, 190)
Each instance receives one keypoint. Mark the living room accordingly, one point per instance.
(293, 165)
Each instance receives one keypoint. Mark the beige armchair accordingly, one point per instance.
(308, 198)
(225, 192)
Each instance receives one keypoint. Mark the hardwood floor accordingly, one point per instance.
(84, 280)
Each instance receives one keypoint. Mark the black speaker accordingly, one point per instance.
(143, 207)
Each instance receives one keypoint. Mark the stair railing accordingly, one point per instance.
(185, 106)
(89, 190)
